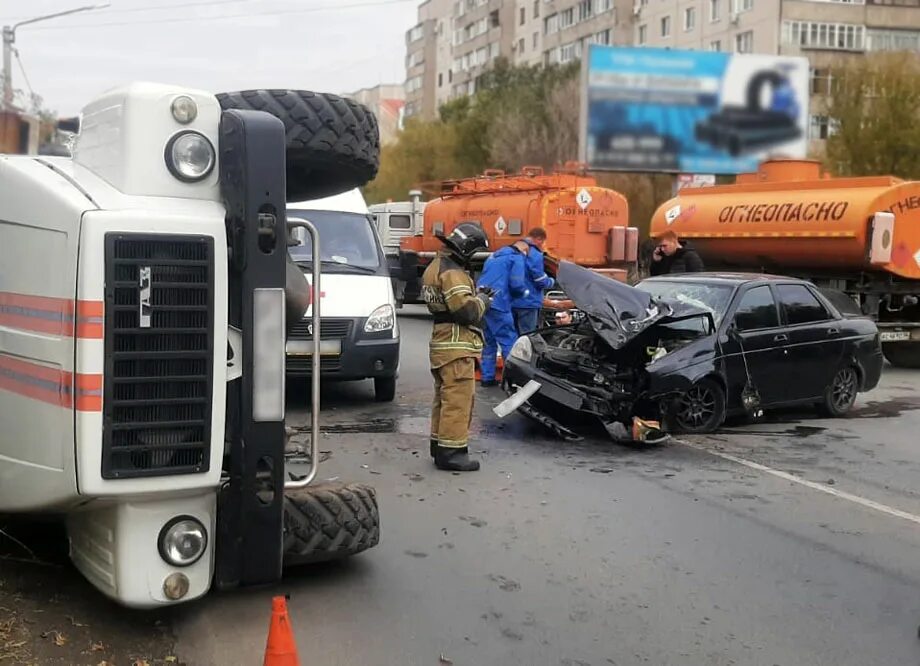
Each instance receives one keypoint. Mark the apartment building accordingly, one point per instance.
(388, 102)
(463, 37)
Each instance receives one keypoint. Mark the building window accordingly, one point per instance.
(892, 40)
(521, 46)
(440, 79)
(494, 20)
(821, 81)
(666, 26)
(830, 36)
(585, 10)
(743, 5)
(567, 18)
(715, 45)
(603, 6)
(523, 15)
(413, 84)
(689, 18)
(551, 24)
(495, 49)
(602, 37)
(744, 43)
(536, 8)
(536, 40)
(643, 34)
(715, 10)
(417, 33)
(450, 76)
(821, 127)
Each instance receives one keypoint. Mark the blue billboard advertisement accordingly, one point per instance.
(649, 109)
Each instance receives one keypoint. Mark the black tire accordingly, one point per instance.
(384, 389)
(333, 144)
(902, 354)
(329, 521)
(701, 409)
(840, 394)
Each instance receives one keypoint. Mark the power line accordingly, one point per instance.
(195, 19)
(25, 76)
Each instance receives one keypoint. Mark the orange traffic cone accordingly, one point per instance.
(280, 649)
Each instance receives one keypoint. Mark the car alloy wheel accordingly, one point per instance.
(701, 409)
(843, 389)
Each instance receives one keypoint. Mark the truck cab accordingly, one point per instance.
(396, 220)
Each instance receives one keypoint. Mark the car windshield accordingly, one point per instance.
(711, 297)
(345, 239)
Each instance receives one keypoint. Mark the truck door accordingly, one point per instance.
(756, 320)
(815, 347)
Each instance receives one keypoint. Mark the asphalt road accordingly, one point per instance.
(792, 542)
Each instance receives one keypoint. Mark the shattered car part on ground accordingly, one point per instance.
(681, 353)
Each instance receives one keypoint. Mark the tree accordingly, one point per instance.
(873, 109)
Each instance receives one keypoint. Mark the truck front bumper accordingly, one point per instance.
(350, 353)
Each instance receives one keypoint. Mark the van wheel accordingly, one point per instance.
(333, 143)
(329, 521)
(384, 389)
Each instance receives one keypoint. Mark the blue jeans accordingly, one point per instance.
(526, 319)
(499, 332)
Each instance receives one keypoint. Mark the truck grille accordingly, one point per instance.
(303, 365)
(159, 350)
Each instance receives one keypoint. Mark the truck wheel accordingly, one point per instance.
(902, 354)
(333, 144)
(329, 521)
(384, 389)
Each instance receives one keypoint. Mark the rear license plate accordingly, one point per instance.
(894, 336)
(305, 348)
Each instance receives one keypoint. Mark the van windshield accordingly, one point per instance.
(345, 239)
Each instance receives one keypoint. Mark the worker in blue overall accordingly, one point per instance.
(526, 309)
(504, 273)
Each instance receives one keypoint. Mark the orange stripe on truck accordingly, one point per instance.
(54, 316)
(51, 385)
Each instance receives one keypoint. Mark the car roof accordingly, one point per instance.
(716, 278)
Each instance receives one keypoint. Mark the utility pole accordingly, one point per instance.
(9, 39)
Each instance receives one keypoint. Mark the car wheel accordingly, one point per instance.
(384, 389)
(701, 409)
(840, 394)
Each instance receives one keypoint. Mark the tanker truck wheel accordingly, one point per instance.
(333, 144)
(902, 354)
(329, 521)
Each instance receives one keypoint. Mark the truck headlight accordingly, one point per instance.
(522, 350)
(183, 541)
(381, 319)
(190, 157)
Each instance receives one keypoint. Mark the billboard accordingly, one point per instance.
(649, 109)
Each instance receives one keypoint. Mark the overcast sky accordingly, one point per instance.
(218, 45)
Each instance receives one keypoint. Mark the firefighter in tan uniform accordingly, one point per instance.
(456, 343)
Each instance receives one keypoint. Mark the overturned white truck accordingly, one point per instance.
(145, 293)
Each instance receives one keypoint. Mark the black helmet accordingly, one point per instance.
(465, 240)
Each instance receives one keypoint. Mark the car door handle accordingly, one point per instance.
(833, 331)
(782, 337)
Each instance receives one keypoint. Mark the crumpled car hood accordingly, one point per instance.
(617, 312)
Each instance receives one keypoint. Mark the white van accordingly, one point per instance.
(359, 331)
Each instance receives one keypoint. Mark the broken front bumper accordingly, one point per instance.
(517, 374)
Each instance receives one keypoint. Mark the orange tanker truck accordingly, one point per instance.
(857, 235)
(584, 223)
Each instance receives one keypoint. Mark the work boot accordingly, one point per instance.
(455, 460)
(434, 447)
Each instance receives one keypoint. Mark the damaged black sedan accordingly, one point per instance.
(684, 352)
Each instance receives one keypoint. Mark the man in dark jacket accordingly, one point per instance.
(674, 256)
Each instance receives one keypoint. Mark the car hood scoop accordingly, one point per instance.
(616, 311)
